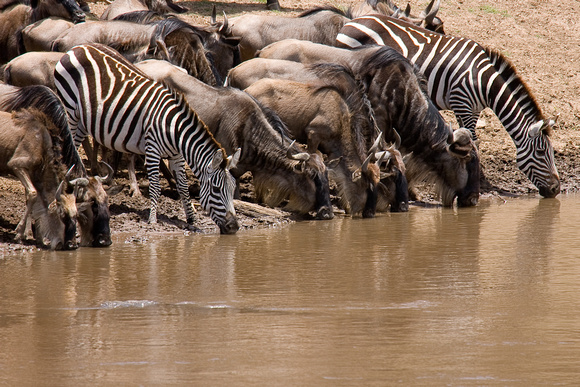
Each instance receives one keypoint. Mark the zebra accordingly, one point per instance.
(113, 101)
(465, 77)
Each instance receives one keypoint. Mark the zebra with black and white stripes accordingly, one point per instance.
(465, 77)
(111, 100)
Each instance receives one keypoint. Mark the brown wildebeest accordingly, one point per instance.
(221, 51)
(398, 96)
(322, 116)
(17, 16)
(320, 25)
(40, 35)
(280, 171)
(91, 197)
(119, 7)
(250, 71)
(32, 68)
(30, 150)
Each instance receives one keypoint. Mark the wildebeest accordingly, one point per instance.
(280, 171)
(397, 92)
(17, 15)
(329, 115)
(39, 36)
(250, 71)
(171, 39)
(119, 7)
(32, 68)
(221, 51)
(91, 197)
(30, 150)
(320, 25)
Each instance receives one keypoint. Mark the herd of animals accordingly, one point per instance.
(351, 98)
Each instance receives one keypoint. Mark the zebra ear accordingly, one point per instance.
(535, 129)
(218, 159)
(233, 159)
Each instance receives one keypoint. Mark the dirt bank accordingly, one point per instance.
(541, 40)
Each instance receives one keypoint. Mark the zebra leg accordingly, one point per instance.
(177, 166)
(152, 161)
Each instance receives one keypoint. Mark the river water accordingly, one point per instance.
(488, 295)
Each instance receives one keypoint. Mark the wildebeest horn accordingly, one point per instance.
(302, 156)
(397, 143)
(213, 18)
(376, 144)
(365, 165)
(108, 178)
(224, 29)
(59, 190)
(430, 11)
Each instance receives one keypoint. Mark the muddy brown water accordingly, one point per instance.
(480, 296)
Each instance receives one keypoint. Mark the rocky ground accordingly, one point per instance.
(541, 40)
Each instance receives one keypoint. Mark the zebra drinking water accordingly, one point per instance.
(465, 77)
(111, 100)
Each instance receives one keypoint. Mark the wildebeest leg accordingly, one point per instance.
(370, 208)
(134, 190)
(177, 166)
(24, 228)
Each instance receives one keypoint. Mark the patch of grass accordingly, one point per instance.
(490, 9)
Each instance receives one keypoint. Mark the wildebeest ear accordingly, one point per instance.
(34, 3)
(231, 40)
(333, 163)
(114, 190)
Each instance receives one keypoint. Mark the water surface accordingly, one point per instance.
(478, 296)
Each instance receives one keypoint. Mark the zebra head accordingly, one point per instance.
(535, 157)
(217, 186)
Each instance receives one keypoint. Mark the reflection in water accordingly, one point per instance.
(483, 295)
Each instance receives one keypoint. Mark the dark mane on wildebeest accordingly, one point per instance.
(451, 157)
(44, 99)
(221, 53)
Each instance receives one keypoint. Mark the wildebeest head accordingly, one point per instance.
(67, 9)
(93, 208)
(312, 165)
(217, 187)
(64, 208)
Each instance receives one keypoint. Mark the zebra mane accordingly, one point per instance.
(47, 102)
(314, 10)
(507, 71)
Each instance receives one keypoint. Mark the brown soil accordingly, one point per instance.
(540, 39)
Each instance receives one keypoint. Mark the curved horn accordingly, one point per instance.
(108, 178)
(224, 29)
(430, 11)
(397, 143)
(365, 165)
(302, 156)
(58, 192)
(375, 146)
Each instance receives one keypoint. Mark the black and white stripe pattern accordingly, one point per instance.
(111, 100)
(465, 77)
